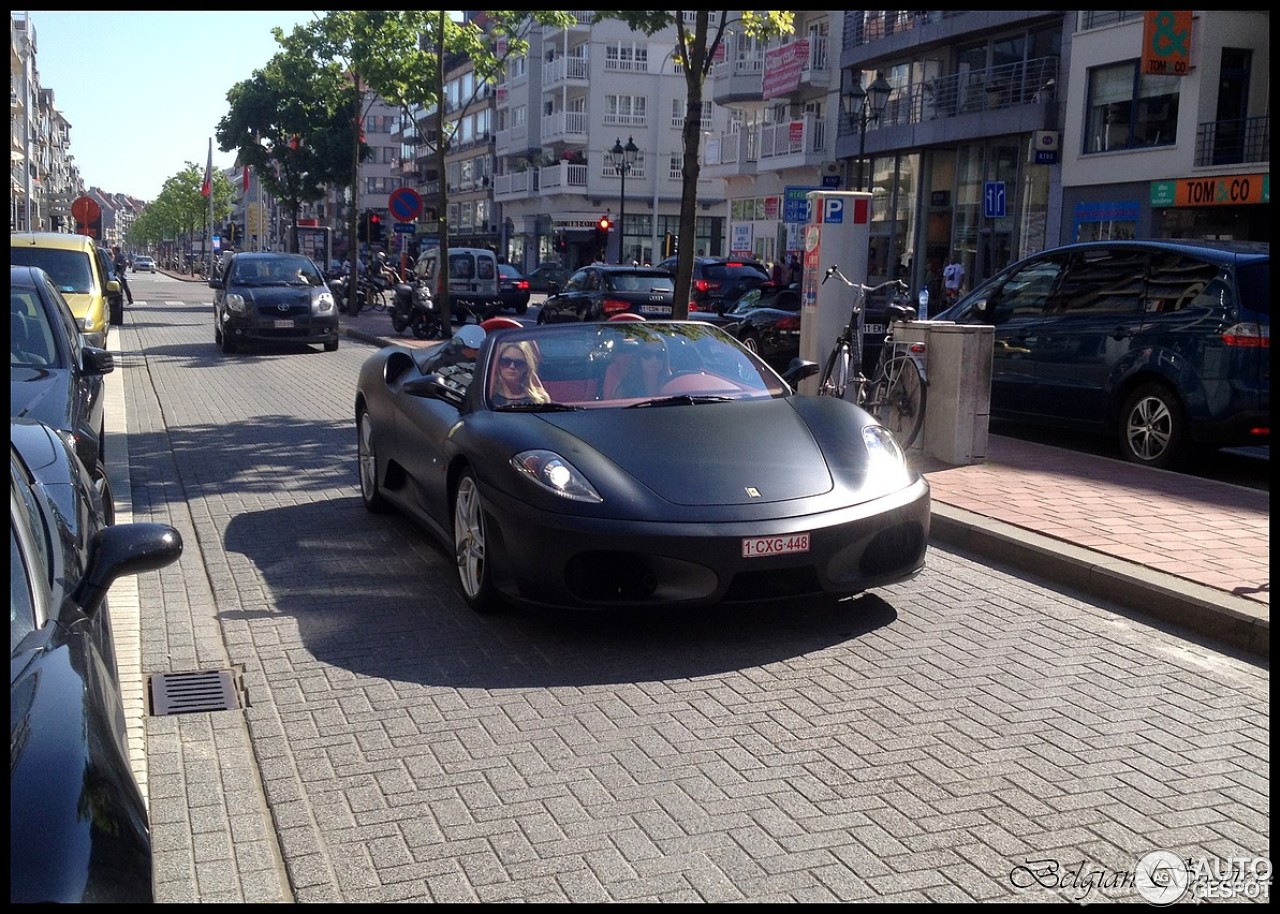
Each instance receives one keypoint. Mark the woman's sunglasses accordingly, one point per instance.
(513, 363)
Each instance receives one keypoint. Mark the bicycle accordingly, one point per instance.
(896, 392)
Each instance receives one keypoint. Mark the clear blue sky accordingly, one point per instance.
(144, 91)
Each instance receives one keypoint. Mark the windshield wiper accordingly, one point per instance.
(537, 408)
(681, 400)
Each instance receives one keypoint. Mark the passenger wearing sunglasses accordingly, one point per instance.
(645, 371)
(516, 377)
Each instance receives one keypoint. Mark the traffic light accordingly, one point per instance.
(604, 224)
(375, 228)
(670, 245)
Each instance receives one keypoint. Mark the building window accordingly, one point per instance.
(1130, 110)
(629, 56)
(625, 110)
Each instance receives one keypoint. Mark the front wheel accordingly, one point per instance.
(1153, 427)
(470, 547)
(835, 374)
(367, 465)
(898, 399)
(424, 326)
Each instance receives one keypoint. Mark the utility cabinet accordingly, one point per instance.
(958, 410)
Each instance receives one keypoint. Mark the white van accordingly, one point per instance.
(473, 275)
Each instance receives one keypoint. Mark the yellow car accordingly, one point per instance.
(73, 264)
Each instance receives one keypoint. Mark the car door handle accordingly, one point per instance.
(1122, 332)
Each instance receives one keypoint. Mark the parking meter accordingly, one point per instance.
(837, 233)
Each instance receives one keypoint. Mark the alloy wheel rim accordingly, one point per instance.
(1150, 428)
(468, 527)
(368, 462)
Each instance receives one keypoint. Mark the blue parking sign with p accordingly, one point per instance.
(834, 210)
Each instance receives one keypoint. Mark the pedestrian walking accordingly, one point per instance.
(122, 267)
(952, 278)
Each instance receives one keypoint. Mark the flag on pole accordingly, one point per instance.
(246, 178)
(206, 189)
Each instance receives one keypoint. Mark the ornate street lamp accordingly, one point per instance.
(861, 113)
(622, 158)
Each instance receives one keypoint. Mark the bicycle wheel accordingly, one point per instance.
(898, 398)
(835, 374)
(378, 299)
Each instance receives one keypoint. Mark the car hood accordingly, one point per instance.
(38, 393)
(707, 454)
(262, 296)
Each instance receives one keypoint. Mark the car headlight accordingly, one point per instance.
(885, 457)
(234, 302)
(324, 303)
(555, 474)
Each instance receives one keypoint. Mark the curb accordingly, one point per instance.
(1222, 617)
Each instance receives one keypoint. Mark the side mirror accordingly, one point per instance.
(97, 361)
(215, 283)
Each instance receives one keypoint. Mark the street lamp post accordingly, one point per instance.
(860, 114)
(622, 158)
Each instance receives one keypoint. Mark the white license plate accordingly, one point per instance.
(877, 329)
(754, 547)
(282, 325)
(654, 309)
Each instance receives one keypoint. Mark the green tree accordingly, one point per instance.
(290, 122)
(181, 211)
(403, 55)
(695, 52)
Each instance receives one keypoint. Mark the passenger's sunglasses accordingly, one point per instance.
(513, 363)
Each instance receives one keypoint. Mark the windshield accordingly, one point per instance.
(70, 271)
(594, 366)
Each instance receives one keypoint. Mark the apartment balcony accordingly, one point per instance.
(730, 154)
(1239, 141)
(582, 23)
(565, 127)
(566, 71)
(738, 78)
(516, 186)
(512, 140)
(561, 178)
(795, 143)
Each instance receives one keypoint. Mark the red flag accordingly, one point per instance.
(207, 187)
(246, 177)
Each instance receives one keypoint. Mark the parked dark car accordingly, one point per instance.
(718, 282)
(77, 822)
(545, 276)
(267, 297)
(1165, 344)
(55, 376)
(513, 289)
(599, 292)
(767, 321)
(655, 464)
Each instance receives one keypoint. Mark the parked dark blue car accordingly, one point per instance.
(1166, 344)
(78, 827)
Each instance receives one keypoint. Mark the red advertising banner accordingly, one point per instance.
(783, 67)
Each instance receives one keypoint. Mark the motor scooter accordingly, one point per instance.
(414, 309)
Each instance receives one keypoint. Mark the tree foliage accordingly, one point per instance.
(289, 121)
(695, 52)
(180, 209)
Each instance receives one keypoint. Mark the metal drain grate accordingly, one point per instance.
(188, 693)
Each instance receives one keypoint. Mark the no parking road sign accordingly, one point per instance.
(404, 204)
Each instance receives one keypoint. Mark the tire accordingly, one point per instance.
(835, 374)
(367, 466)
(424, 327)
(398, 323)
(331, 346)
(378, 300)
(522, 309)
(469, 546)
(752, 342)
(228, 346)
(103, 485)
(1153, 427)
(899, 395)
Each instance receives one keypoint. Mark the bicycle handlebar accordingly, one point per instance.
(834, 270)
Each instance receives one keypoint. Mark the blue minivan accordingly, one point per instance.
(1165, 343)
